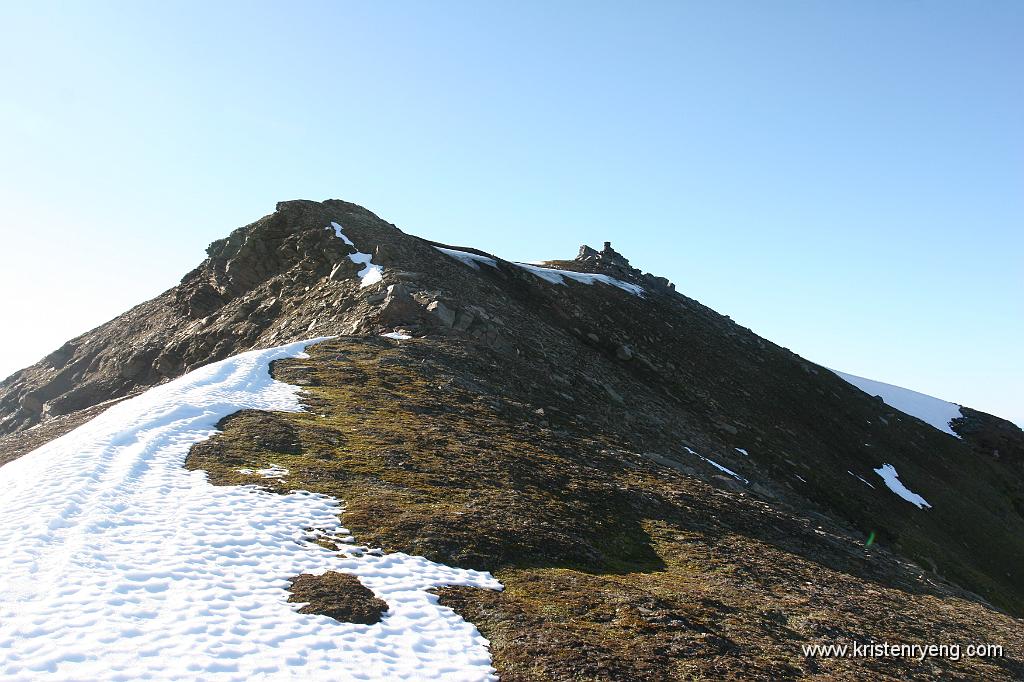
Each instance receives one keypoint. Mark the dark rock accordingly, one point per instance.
(138, 364)
(727, 428)
(463, 320)
(167, 364)
(31, 402)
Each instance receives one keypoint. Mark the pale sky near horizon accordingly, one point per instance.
(845, 178)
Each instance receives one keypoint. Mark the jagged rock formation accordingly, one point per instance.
(698, 497)
(611, 262)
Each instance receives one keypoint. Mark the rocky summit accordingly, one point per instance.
(661, 493)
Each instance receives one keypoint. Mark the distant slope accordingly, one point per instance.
(938, 413)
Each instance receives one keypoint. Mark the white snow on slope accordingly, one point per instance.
(556, 276)
(892, 479)
(860, 479)
(118, 563)
(717, 465)
(473, 260)
(938, 413)
(552, 275)
(370, 274)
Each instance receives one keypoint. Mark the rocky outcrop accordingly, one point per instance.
(992, 437)
(265, 283)
(611, 262)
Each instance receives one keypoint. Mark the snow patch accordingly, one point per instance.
(370, 273)
(892, 479)
(742, 452)
(398, 336)
(860, 479)
(937, 413)
(717, 465)
(119, 563)
(551, 275)
(341, 235)
(473, 260)
(558, 277)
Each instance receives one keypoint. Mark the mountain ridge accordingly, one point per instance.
(626, 434)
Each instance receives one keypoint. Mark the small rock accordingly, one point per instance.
(593, 337)
(624, 352)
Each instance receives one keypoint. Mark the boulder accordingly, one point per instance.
(441, 313)
(399, 306)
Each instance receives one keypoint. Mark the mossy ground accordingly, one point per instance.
(338, 595)
(615, 566)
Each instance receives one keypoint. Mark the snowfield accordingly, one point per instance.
(938, 413)
(119, 564)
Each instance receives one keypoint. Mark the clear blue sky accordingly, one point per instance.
(846, 178)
